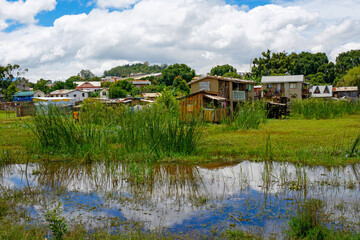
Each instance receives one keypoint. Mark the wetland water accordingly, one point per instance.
(257, 197)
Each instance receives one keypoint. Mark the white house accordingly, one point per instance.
(321, 91)
(79, 95)
(104, 93)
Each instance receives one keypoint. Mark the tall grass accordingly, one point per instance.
(248, 116)
(324, 108)
(58, 132)
(152, 131)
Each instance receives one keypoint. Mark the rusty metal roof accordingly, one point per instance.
(215, 97)
(236, 80)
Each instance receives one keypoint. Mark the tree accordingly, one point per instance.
(346, 61)
(181, 84)
(10, 91)
(57, 86)
(87, 74)
(126, 70)
(316, 79)
(42, 86)
(171, 72)
(232, 75)
(223, 69)
(69, 83)
(120, 89)
(351, 78)
(98, 79)
(8, 74)
(167, 100)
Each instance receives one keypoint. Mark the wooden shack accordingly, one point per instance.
(207, 105)
(233, 90)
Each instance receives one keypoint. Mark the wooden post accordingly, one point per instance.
(231, 99)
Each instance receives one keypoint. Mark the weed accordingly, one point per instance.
(247, 116)
(56, 223)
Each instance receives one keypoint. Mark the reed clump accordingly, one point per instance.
(148, 131)
(324, 108)
(248, 116)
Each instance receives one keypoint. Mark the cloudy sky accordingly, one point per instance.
(55, 39)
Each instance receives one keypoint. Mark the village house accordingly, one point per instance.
(350, 92)
(92, 86)
(233, 90)
(321, 91)
(289, 86)
(27, 96)
(79, 95)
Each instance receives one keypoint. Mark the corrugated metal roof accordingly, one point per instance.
(345, 89)
(236, 80)
(215, 97)
(24, 94)
(283, 79)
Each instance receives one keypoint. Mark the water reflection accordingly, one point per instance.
(181, 197)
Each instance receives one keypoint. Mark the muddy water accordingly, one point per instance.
(258, 197)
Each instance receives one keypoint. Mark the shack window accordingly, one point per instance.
(204, 86)
(83, 94)
(74, 95)
(292, 85)
(269, 86)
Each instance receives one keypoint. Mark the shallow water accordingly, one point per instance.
(258, 197)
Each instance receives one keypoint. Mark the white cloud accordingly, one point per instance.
(344, 48)
(119, 4)
(200, 33)
(23, 12)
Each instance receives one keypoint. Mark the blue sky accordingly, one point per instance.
(198, 33)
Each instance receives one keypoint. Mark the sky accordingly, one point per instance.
(55, 39)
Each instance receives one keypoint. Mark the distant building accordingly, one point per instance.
(79, 95)
(351, 92)
(321, 91)
(140, 83)
(92, 86)
(150, 96)
(27, 96)
(289, 86)
(22, 84)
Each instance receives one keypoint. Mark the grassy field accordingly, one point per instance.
(308, 141)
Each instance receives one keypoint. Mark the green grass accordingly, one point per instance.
(310, 222)
(309, 141)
